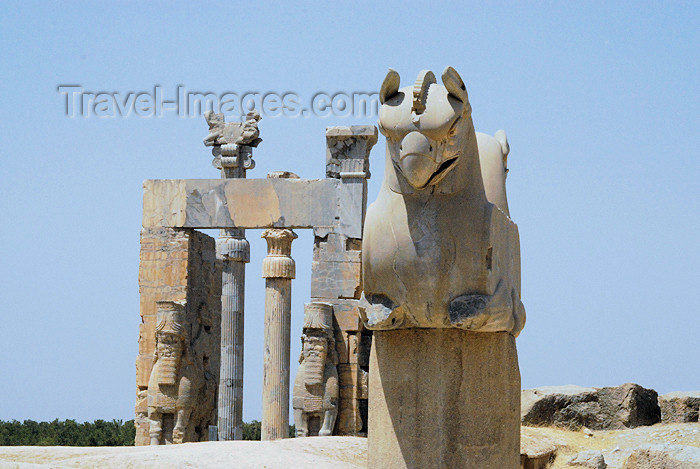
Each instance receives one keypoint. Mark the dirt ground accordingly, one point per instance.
(324, 452)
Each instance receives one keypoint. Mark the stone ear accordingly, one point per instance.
(390, 85)
(454, 84)
(503, 140)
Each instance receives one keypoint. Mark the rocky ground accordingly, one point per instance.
(616, 446)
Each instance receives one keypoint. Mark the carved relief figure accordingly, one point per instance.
(315, 392)
(440, 249)
(170, 387)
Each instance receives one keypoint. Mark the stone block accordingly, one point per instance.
(588, 459)
(536, 450)
(664, 457)
(216, 203)
(352, 201)
(573, 407)
(679, 407)
(460, 385)
(627, 406)
(336, 247)
(180, 266)
(144, 364)
(141, 423)
(346, 313)
(335, 280)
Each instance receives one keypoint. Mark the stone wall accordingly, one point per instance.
(336, 280)
(336, 275)
(180, 265)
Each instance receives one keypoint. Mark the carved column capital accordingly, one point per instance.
(347, 151)
(233, 249)
(278, 263)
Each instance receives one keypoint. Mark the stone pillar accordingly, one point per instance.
(179, 266)
(336, 269)
(441, 288)
(232, 148)
(234, 250)
(278, 270)
(427, 384)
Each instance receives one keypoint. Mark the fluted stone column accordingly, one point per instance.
(278, 270)
(234, 250)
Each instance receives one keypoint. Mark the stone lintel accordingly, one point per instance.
(241, 203)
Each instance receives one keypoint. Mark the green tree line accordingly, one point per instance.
(253, 430)
(67, 433)
(97, 433)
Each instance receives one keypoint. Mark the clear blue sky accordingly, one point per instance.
(599, 100)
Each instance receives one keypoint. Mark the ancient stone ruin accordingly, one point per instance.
(428, 280)
(207, 279)
(315, 399)
(180, 284)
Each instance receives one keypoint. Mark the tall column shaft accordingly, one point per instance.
(234, 250)
(275, 415)
(444, 398)
(232, 145)
(278, 271)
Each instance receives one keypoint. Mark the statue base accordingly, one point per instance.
(444, 398)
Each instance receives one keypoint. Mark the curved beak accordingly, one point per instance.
(416, 159)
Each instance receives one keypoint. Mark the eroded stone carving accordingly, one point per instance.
(173, 379)
(316, 385)
(239, 133)
(439, 247)
(232, 140)
(179, 266)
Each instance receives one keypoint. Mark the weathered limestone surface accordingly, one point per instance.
(573, 407)
(436, 252)
(493, 159)
(441, 262)
(175, 379)
(234, 251)
(336, 269)
(589, 459)
(232, 147)
(215, 203)
(315, 399)
(444, 398)
(536, 450)
(664, 457)
(278, 271)
(232, 144)
(679, 407)
(180, 266)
